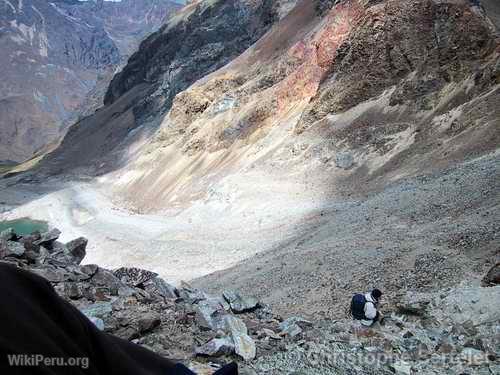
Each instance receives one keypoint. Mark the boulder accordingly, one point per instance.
(90, 269)
(271, 334)
(133, 276)
(210, 315)
(493, 276)
(415, 308)
(11, 249)
(76, 249)
(238, 303)
(158, 286)
(244, 346)
(72, 290)
(8, 235)
(473, 357)
(47, 239)
(190, 294)
(293, 326)
(128, 333)
(148, 322)
(233, 325)
(216, 347)
(401, 368)
(107, 279)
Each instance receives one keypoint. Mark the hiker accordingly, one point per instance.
(40, 333)
(364, 307)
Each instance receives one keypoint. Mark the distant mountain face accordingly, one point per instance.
(54, 54)
(320, 93)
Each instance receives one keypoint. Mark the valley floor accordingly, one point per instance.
(297, 252)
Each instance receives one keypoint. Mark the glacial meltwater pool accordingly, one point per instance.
(24, 226)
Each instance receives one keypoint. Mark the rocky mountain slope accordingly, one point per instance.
(349, 91)
(58, 51)
(304, 150)
(429, 332)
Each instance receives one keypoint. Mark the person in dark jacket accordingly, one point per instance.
(41, 333)
(364, 307)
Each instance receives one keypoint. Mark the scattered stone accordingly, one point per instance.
(8, 235)
(76, 249)
(202, 368)
(344, 160)
(401, 368)
(72, 291)
(244, 346)
(493, 276)
(414, 308)
(216, 347)
(47, 239)
(133, 276)
(159, 286)
(190, 294)
(210, 315)
(271, 334)
(148, 322)
(473, 357)
(11, 249)
(238, 303)
(90, 269)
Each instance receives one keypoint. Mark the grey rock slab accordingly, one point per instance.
(239, 303)
(210, 315)
(244, 345)
(76, 248)
(148, 322)
(47, 238)
(11, 248)
(158, 286)
(216, 347)
(294, 320)
(89, 269)
(401, 368)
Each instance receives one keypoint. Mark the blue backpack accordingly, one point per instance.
(358, 307)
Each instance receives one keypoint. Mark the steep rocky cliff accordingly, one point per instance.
(348, 90)
(57, 52)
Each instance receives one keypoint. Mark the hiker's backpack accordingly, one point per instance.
(358, 307)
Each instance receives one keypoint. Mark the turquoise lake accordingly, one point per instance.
(24, 226)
